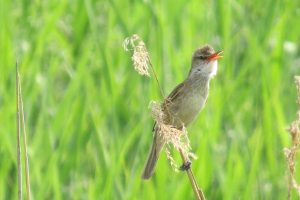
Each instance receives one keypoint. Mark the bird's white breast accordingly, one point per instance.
(214, 67)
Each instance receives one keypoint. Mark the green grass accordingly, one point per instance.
(85, 107)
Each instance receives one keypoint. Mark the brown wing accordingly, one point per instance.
(175, 92)
(172, 96)
(206, 99)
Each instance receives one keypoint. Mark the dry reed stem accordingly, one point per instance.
(197, 191)
(24, 142)
(291, 152)
(161, 92)
(170, 133)
(18, 137)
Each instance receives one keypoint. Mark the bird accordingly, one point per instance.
(186, 101)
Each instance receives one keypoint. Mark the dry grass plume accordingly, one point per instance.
(291, 152)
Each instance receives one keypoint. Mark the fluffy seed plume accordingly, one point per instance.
(171, 135)
(290, 152)
(140, 55)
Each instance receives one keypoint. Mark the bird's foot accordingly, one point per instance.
(186, 166)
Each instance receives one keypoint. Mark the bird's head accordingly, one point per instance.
(204, 61)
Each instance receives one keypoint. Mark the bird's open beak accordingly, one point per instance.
(214, 56)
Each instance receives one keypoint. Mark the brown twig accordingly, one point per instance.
(18, 137)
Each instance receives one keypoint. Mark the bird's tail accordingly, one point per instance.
(154, 153)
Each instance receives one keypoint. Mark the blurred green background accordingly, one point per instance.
(87, 121)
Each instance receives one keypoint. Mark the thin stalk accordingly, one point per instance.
(25, 145)
(161, 92)
(197, 191)
(18, 137)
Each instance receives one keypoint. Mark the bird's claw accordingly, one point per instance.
(186, 166)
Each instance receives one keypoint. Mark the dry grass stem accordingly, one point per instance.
(24, 142)
(18, 137)
(197, 191)
(291, 152)
(20, 103)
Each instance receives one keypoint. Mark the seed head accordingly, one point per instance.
(140, 55)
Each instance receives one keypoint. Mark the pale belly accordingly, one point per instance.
(190, 108)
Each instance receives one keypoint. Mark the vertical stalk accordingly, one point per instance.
(197, 191)
(25, 145)
(161, 92)
(18, 137)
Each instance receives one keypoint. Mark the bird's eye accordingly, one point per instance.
(201, 57)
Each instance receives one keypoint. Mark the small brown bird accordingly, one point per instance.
(186, 100)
